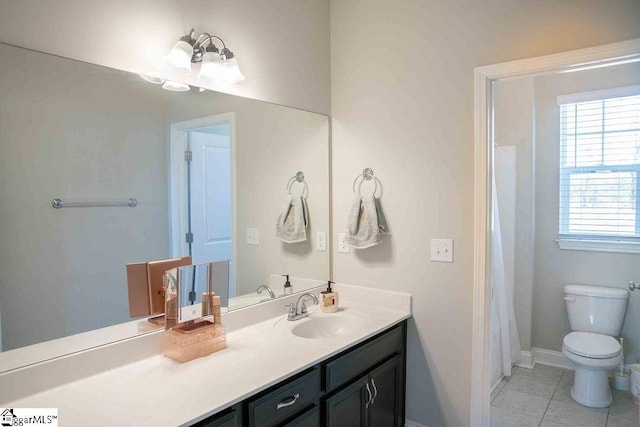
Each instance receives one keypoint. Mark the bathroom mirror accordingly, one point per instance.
(92, 135)
(193, 287)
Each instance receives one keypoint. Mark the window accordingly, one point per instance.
(600, 170)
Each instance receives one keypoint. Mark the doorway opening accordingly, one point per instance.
(486, 158)
(202, 199)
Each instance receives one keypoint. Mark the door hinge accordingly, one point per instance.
(189, 237)
(188, 156)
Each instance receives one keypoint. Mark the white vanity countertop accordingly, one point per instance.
(158, 391)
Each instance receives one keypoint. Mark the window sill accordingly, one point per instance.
(577, 244)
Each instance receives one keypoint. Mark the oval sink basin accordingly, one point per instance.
(326, 327)
(321, 325)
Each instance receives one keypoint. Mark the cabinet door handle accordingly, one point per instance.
(288, 401)
(375, 390)
(370, 395)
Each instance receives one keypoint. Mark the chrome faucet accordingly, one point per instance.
(268, 289)
(298, 310)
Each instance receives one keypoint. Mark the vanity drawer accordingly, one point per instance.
(356, 362)
(310, 418)
(285, 401)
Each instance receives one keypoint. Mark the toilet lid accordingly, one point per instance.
(595, 346)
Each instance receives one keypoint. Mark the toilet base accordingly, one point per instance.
(591, 388)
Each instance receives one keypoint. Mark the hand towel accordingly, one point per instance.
(293, 220)
(366, 223)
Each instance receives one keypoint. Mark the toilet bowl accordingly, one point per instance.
(595, 316)
(593, 356)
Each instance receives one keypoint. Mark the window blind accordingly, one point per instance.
(600, 165)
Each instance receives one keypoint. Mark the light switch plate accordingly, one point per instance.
(343, 247)
(321, 241)
(253, 236)
(442, 250)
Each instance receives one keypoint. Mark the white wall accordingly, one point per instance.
(282, 46)
(555, 267)
(402, 103)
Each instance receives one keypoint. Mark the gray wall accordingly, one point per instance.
(555, 267)
(282, 46)
(402, 104)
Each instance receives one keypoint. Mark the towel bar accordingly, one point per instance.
(59, 203)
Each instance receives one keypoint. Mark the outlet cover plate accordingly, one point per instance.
(343, 247)
(321, 241)
(442, 250)
(253, 236)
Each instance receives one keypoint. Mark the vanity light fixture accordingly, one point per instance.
(218, 66)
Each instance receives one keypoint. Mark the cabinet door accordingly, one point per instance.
(385, 407)
(347, 407)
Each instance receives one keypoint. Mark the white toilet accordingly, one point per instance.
(595, 317)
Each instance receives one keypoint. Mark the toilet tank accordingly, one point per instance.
(596, 309)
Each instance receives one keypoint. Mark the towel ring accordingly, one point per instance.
(367, 175)
(298, 178)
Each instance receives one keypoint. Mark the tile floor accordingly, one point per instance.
(540, 397)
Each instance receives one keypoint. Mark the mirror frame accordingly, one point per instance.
(576, 60)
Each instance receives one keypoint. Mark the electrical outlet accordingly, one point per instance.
(343, 247)
(321, 241)
(253, 236)
(442, 250)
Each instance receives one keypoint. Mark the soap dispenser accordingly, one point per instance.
(329, 299)
(288, 289)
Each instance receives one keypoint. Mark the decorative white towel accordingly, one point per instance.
(366, 223)
(293, 220)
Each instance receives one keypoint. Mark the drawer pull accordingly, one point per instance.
(375, 390)
(288, 401)
(370, 395)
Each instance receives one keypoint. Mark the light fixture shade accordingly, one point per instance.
(219, 71)
(230, 72)
(179, 58)
(210, 68)
(176, 86)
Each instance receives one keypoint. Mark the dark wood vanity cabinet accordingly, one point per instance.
(363, 386)
(375, 400)
(386, 408)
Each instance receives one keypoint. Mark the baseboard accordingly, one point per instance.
(551, 358)
(408, 423)
(526, 360)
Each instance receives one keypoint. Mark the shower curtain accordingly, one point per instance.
(503, 311)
